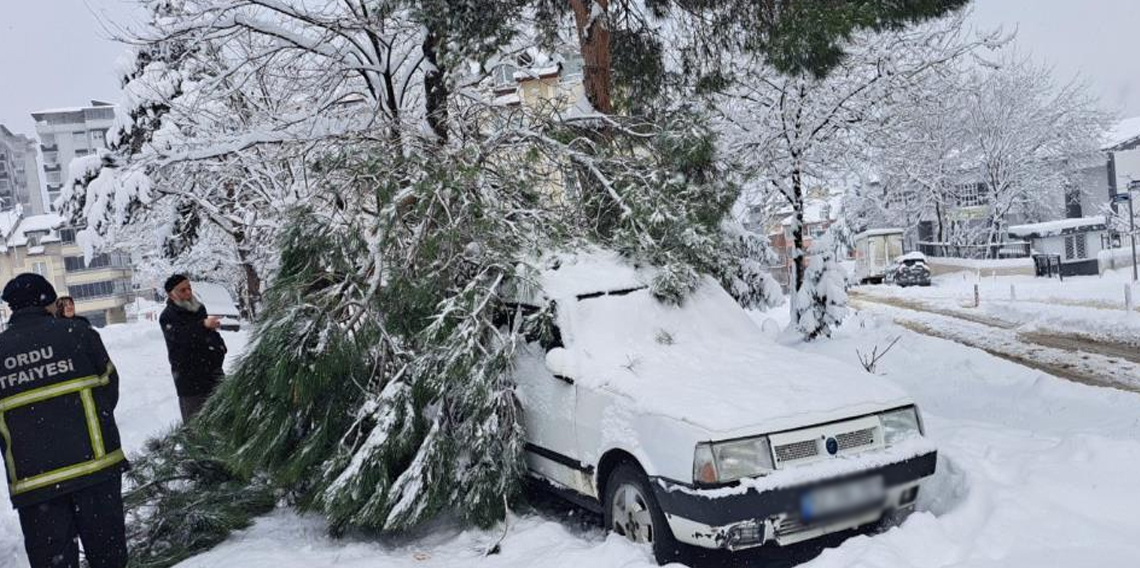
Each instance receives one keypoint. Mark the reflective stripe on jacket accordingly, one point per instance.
(58, 390)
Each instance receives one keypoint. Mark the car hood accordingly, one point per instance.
(706, 363)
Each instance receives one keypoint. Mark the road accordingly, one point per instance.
(1077, 358)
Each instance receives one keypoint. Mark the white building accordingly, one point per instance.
(19, 173)
(67, 133)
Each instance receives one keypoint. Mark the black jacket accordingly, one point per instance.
(58, 391)
(196, 354)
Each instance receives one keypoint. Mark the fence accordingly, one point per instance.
(1011, 249)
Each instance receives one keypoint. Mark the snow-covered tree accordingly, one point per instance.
(821, 303)
(1003, 135)
(376, 387)
(794, 130)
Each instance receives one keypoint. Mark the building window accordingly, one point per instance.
(92, 290)
(972, 195)
(40, 268)
(67, 235)
(99, 138)
(79, 140)
(1076, 247)
(76, 264)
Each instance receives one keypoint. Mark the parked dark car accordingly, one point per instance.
(910, 270)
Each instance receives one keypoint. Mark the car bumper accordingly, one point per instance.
(712, 519)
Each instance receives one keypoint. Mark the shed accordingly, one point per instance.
(1075, 241)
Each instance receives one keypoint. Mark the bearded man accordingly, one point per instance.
(193, 345)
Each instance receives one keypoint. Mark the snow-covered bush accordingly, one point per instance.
(821, 304)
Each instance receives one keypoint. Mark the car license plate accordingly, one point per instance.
(840, 498)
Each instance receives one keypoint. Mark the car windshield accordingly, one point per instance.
(616, 325)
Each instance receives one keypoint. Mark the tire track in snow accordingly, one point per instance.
(1067, 341)
(1076, 365)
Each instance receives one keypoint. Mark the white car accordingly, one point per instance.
(218, 303)
(688, 425)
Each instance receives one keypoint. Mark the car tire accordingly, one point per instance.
(630, 510)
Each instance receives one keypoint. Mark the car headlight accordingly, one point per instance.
(723, 462)
(899, 425)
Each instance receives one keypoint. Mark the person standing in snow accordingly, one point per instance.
(65, 308)
(64, 462)
(193, 345)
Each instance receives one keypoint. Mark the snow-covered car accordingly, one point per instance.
(686, 424)
(218, 303)
(910, 270)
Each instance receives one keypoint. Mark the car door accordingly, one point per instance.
(548, 404)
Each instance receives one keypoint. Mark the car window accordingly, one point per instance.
(537, 325)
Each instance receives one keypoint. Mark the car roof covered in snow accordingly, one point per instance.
(216, 298)
(912, 255)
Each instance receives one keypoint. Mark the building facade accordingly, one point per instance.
(19, 173)
(68, 133)
(42, 244)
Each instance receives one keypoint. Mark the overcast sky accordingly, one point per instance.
(55, 53)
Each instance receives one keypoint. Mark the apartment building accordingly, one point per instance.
(43, 244)
(19, 173)
(67, 133)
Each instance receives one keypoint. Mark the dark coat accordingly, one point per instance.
(58, 391)
(196, 354)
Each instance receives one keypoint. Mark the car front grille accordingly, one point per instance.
(797, 450)
(856, 439)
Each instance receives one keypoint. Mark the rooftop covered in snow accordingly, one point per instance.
(1124, 135)
(1059, 227)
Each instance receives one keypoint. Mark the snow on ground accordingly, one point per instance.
(1091, 306)
(148, 406)
(1034, 472)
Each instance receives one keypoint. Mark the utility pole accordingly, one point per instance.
(1133, 186)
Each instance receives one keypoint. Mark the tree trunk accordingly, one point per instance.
(435, 87)
(251, 296)
(799, 255)
(594, 43)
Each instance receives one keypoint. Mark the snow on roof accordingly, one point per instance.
(817, 209)
(216, 298)
(1058, 227)
(537, 72)
(591, 271)
(47, 222)
(8, 221)
(912, 255)
(1125, 131)
(507, 99)
(880, 232)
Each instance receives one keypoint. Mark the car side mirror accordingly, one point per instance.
(560, 364)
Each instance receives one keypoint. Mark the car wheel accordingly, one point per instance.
(631, 510)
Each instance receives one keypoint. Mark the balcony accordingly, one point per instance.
(49, 147)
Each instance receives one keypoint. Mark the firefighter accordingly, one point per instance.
(64, 463)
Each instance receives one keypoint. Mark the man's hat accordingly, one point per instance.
(28, 290)
(174, 281)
